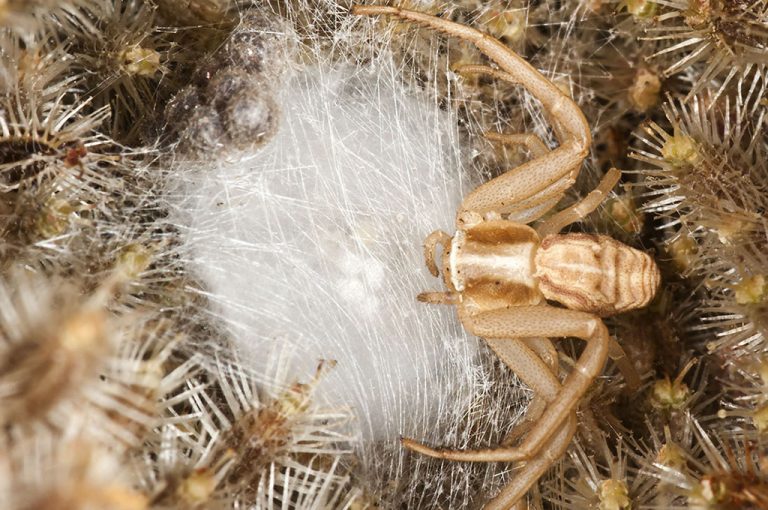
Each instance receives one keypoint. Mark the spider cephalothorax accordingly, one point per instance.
(500, 272)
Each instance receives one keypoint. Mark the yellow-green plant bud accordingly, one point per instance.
(140, 61)
(680, 150)
(614, 495)
(750, 291)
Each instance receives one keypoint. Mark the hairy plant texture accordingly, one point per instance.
(709, 186)
(203, 201)
(723, 39)
(231, 438)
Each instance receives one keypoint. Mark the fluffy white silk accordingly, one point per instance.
(315, 240)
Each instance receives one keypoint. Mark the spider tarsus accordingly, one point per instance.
(366, 10)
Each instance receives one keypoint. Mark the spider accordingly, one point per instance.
(501, 273)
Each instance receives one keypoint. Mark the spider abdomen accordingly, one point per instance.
(595, 273)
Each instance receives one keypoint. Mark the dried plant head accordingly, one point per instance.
(231, 438)
(46, 123)
(123, 60)
(598, 478)
(656, 450)
(711, 472)
(745, 403)
(142, 256)
(59, 173)
(46, 357)
(55, 167)
(706, 182)
(72, 472)
(672, 397)
(734, 315)
(68, 364)
(721, 39)
(51, 146)
(672, 401)
(155, 280)
(72, 216)
(707, 168)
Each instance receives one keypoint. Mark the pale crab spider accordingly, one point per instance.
(500, 272)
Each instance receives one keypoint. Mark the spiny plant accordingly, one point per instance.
(226, 442)
(111, 347)
(707, 184)
(720, 39)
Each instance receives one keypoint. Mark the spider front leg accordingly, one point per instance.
(531, 321)
(538, 181)
(531, 207)
(558, 167)
(532, 142)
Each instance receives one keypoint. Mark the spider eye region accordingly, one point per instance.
(595, 273)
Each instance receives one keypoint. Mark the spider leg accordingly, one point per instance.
(552, 98)
(430, 243)
(561, 164)
(490, 71)
(581, 208)
(533, 371)
(529, 366)
(530, 321)
(439, 298)
(545, 178)
(515, 490)
(532, 142)
(627, 369)
(525, 358)
(525, 210)
(545, 350)
(533, 207)
(535, 361)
